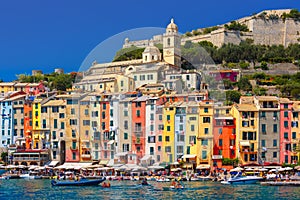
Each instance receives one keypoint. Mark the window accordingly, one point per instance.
(286, 135)
(204, 142)
(168, 149)
(204, 154)
(167, 138)
(168, 128)
(220, 142)
(138, 113)
(73, 121)
(160, 127)
(263, 114)
(125, 136)
(125, 113)
(285, 105)
(275, 129)
(125, 124)
(168, 117)
(192, 140)
(73, 133)
(104, 106)
(74, 156)
(55, 123)
(192, 127)
(220, 130)
(274, 143)
(122, 83)
(159, 148)
(62, 125)
(181, 127)
(103, 114)
(286, 114)
(274, 154)
(86, 122)
(72, 111)
(206, 119)
(142, 77)
(160, 138)
(205, 130)
(263, 128)
(111, 123)
(54, 135)
(286, 124)
(293, 135)
(160, 117)
(55, 109)
(61, 115)
(151, 116)
(151, 127)
(205, 110)
(150, 77)
(192, 118)
(188, 150)
(44, 110)
(263, 143)
(151, 139)
(103, 125)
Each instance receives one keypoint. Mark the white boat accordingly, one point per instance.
(162, 179)
(240, 179)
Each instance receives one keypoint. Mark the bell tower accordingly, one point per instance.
(171, 45)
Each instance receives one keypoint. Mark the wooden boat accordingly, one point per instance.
(81, 182)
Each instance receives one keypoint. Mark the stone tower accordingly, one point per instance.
(171, 45)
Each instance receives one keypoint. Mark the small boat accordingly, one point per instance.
(81, 182)
(240, 179)
(173, 188)
(163, 179)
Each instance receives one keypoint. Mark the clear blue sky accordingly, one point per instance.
(44, 35)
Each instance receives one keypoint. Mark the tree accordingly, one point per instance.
(130, 53)
(244, 84)
(62, 82)
(233, 96)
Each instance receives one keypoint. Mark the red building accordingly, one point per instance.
(139, 124)
(224, 139)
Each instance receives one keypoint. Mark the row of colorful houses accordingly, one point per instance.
(144, 129)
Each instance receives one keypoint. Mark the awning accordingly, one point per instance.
(121, 154)
(224, 117)
(73, 165)
(103, 162)
(111, 142)
(203, 167)
(245, 144)
(53, 163)
(189, 156)
(146, 157)
(111, 162)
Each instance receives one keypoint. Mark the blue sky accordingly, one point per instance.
(44, 35)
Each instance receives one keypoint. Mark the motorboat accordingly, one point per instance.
(240, 179)
(81, 182)
(172, 187)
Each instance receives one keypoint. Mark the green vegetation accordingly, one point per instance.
(236, 26)
(130, 53)
(293, 14)
(56, 81)
(228, 161)
(3, 156)
(232, 96)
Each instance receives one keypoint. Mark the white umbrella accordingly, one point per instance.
(32, 167)
(288, 168)
(155, 167)
(237, 169)
(249, 169)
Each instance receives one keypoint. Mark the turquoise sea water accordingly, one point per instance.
(42, 189)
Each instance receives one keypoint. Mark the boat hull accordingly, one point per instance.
(83, 182)
(241, 181)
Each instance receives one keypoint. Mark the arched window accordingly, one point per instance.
(169, 41)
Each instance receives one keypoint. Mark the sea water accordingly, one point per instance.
(42, 189)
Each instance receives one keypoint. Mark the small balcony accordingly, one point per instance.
(86, 156)
(74, 148)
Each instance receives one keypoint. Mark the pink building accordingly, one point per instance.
(232, 74)
(285, 130)
(34, 88)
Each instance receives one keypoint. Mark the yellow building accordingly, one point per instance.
(295, 129)
(205, 133)
(84, 127)
(168, 133)
(38, 135)
(247, 131)
(6, 87)
(53, 116)
(191, 134)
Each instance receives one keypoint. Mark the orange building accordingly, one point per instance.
(28, 122)
(139, 127)
(224, 139)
